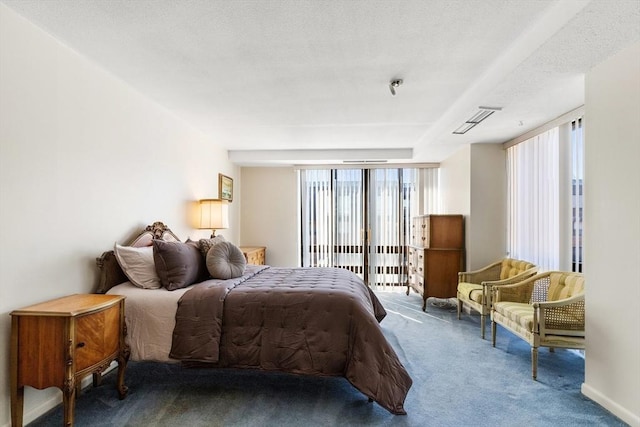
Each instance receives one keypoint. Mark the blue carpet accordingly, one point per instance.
(459, 380)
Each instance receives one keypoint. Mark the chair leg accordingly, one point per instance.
(552, 350)
(459, 308)
(534, 362)
(483, 322)
(493, 333)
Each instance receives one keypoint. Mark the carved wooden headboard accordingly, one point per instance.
(110, 272)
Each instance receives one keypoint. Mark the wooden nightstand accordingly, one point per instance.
(58, 342)
(254, 254)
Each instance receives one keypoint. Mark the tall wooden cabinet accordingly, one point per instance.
(436, 255)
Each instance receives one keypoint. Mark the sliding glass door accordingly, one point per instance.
(391, 204)
(358, 219)
(349, 228)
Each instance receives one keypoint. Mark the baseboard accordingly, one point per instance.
(33, 413)
(47, 405)
(624, 414)
(41, 409)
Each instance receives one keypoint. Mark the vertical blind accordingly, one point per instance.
(392, 195)
(577, 168)
(358, 219)
(348, 212)
(316, 217)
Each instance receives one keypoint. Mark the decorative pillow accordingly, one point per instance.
(225, 261)
(178, 264)
(206, 244)
(138, 265)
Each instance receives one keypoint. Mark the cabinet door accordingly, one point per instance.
(441, 272)
(97, 336)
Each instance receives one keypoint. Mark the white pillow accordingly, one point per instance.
(138, 265)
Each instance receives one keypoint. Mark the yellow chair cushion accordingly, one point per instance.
(564, 285)
(517, 313)
(512, 267)
(471, 291)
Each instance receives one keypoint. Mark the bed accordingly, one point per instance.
(309, 321)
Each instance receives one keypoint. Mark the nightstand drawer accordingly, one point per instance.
(97, 337)
(254, 254)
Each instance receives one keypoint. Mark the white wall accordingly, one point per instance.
(84, 161)
(472, 183)
(612, 234)
(488, 220)
(455, 182)
(270, 213)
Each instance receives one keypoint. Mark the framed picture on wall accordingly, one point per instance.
(225, 187)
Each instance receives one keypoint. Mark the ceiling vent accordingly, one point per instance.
(476, 119)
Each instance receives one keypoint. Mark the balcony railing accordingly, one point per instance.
(385, 272)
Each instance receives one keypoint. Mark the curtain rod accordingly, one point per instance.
(565, 118)
(370, 166)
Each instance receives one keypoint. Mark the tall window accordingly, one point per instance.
(358, 219)
(391, 204)
(533, 200)
(538, 172)
(577, 178)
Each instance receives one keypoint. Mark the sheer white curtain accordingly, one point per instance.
(533, 200)
(431, 191)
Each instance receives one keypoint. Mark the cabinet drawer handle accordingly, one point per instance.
(80, 345)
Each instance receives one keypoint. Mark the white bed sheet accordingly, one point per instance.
(150, 315)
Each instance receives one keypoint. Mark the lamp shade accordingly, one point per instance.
(214, 214)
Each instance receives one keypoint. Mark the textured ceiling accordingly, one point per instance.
(291, 75)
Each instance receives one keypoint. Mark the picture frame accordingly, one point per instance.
(225, 187)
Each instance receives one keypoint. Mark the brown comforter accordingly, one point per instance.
(312, 321)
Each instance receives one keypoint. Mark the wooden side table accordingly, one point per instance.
(58, 342)
(254, 254)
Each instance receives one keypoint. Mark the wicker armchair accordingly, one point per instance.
(474, 287)
(546, 310)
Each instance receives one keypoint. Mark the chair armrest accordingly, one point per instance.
(516, 292)
(565, 316)
(487, 285)
(560, 302)
(512, 280)
(490, 272)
